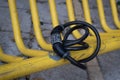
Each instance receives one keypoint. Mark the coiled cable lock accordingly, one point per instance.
(63, 47)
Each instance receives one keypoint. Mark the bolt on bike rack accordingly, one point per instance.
(40, 58)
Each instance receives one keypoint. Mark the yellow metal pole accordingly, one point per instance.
(36, 22)
(17, 33)
(86, 11)
(9, 58)
(102, 17)
(53, 12)
(115, 13)
(26, 67)
(70, 10)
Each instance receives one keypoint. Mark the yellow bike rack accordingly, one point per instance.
(41, 59)
(115, 13)
(17, 33)
(102, 17)
(87, 16)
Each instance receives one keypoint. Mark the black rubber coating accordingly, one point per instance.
(62, 47)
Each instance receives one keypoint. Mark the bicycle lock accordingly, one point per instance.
(63, 47)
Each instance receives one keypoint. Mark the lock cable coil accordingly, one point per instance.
(63, 47)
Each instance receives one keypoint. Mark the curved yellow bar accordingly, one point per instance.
(9, 58)
(102, 17)
(115, 13)
(17, 33)
(37, 30)
(32, 65)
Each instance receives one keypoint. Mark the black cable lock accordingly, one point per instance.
(62, 47)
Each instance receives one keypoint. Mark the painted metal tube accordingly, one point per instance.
(86, 11)
(9, 58)
(53, 12)
(26, 67)
(115, 13)
(17, 33)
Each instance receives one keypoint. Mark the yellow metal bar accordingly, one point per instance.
(9, 58)
(86, 11)
(17, 33)
(26, 67)
(36, 22)
(70, 10)
(102, 17)
(115, 13)
(53, 12)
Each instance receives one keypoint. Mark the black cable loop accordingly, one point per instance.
(62, 47)
(71, 42)
(68, 43)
